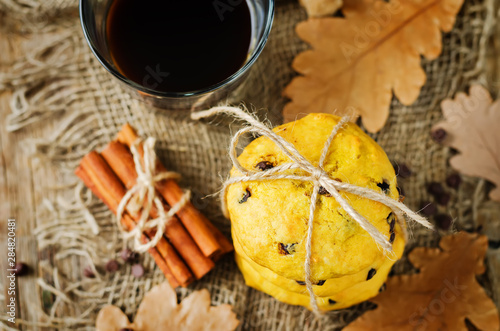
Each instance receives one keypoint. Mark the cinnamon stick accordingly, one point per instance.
(160, 262)
(120, 159)
(210, 240)
(129, 224)
(221, 239)
(112, 191)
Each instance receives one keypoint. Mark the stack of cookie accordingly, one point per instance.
(270, 218)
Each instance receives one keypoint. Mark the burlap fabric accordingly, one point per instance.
(62, 81)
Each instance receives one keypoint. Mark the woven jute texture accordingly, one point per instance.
(62, 81)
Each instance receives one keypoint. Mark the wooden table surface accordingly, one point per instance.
(23, 183)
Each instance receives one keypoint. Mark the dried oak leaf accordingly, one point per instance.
(471, 123)
(159, 311)
(442, 296)
(318, 8)
(357, 62)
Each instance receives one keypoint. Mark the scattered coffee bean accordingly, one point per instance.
(286, 249)
(443, 221)
(320, 283)
(402, 170)
(332, 302)
(245, 196)
(439, 135)
(264, 165)
(128, 255)
(384, 186)
(20, 269)
(137, 270)
(494, 244)
(443, 199)
(454, 181)
(88, 272)
(435, 188)
(112, 266)
(300, 282)
(428, 208)
(371, 273)
(392, 237)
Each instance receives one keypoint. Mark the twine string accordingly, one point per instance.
(314, 174)
(142, 197)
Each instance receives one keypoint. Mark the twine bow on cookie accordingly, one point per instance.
(314, 174)
(143, 195)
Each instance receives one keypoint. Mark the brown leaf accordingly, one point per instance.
(111, 318)
(318, 8)
(441, 296)
(357, 62)
(159, 311)
(471, 123)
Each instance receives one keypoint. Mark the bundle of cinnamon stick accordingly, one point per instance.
(190, 244)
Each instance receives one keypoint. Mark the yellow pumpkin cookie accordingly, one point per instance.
(330, 286)
(350, 296)
(270, 217)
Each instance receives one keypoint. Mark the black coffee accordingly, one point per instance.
(179, 45)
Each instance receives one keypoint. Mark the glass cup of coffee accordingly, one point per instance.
(177, 54)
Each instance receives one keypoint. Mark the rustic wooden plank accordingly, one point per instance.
(17, 183)
(26, 291)
(23, 182)
(6, 204)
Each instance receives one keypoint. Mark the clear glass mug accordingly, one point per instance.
(93, 16)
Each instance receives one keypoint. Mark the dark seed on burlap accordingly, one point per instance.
(88, 272)
(112, 266)
(402, 170)
(453, 181)
(64, 78)
(439, 135)
(128, 255)
(443, 199)
(428, 208)
(435, 188)
(443, 221)
(137, 270)
(20, 269)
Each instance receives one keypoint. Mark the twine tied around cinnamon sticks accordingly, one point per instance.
(314, 174)
(143, 195)
(189, 243)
